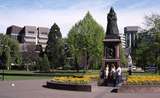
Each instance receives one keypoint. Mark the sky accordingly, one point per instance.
(44, 13)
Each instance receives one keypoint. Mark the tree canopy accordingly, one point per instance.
(55, 47)
(85, 41)
(148, 43)
(9, 51)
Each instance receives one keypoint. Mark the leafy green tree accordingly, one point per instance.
(55, 47)
(123, 58)
(9, 51)
(148, 51)
(44, 63)
(85, 42)
(14, 51)
(30, 57)
(153, 23)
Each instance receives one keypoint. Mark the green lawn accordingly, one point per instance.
(23, 77)
(29, 75)
(18, 72)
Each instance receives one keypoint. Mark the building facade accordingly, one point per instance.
(14, 32)
(29, 35)
(130, 33)
(42, 37)
(123, 42)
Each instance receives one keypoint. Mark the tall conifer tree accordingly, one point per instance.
(55, 47)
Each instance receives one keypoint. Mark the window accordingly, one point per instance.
(31, 32)
(44, 33)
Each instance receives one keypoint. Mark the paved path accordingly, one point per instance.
(34, 89)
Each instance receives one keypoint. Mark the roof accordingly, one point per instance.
(132, 28)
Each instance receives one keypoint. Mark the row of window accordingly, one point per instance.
(43, 33)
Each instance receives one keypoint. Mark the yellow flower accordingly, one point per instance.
(75, 79)
(141, 80)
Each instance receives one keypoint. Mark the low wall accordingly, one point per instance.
(62, 86)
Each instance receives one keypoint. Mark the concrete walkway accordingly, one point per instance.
(34, 89)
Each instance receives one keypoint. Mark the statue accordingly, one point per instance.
(111, 48)
(130, 64)
(129, 60)
(112, 28)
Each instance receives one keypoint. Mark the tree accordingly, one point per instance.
(148, 51)
(29, 56)
(153, 23)
(14, 51)
(85, 41)
(43, 63)
(9, 51)
(55, 47)
(123, 58)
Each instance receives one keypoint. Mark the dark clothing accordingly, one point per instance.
(118, 79)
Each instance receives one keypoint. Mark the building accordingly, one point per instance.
(29, 35)
(14, 31)
(123, 42)
(42, 37)
(130, 33)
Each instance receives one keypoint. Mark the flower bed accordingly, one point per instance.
(141, 84)
(75, 79)
(76, 83)
(144, 80)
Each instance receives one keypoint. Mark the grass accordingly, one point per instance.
(18, 72)
(29, 75)
(24, 77)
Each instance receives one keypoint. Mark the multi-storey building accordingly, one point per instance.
(29, 35)
(130, 33)
(122, 40)
(14, 32)
(42, 36)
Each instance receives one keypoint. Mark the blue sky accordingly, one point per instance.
(67, 12)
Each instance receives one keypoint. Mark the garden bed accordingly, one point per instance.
(141, 84)
(76, 83)
(67, 86)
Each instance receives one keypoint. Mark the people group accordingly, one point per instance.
(115, 74)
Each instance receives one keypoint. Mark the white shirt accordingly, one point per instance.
(119, 71)
(113, 70)
(107, 71)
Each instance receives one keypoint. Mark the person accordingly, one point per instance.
(118, 75)
(130, 70)
(113, 73)
(107, 71)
